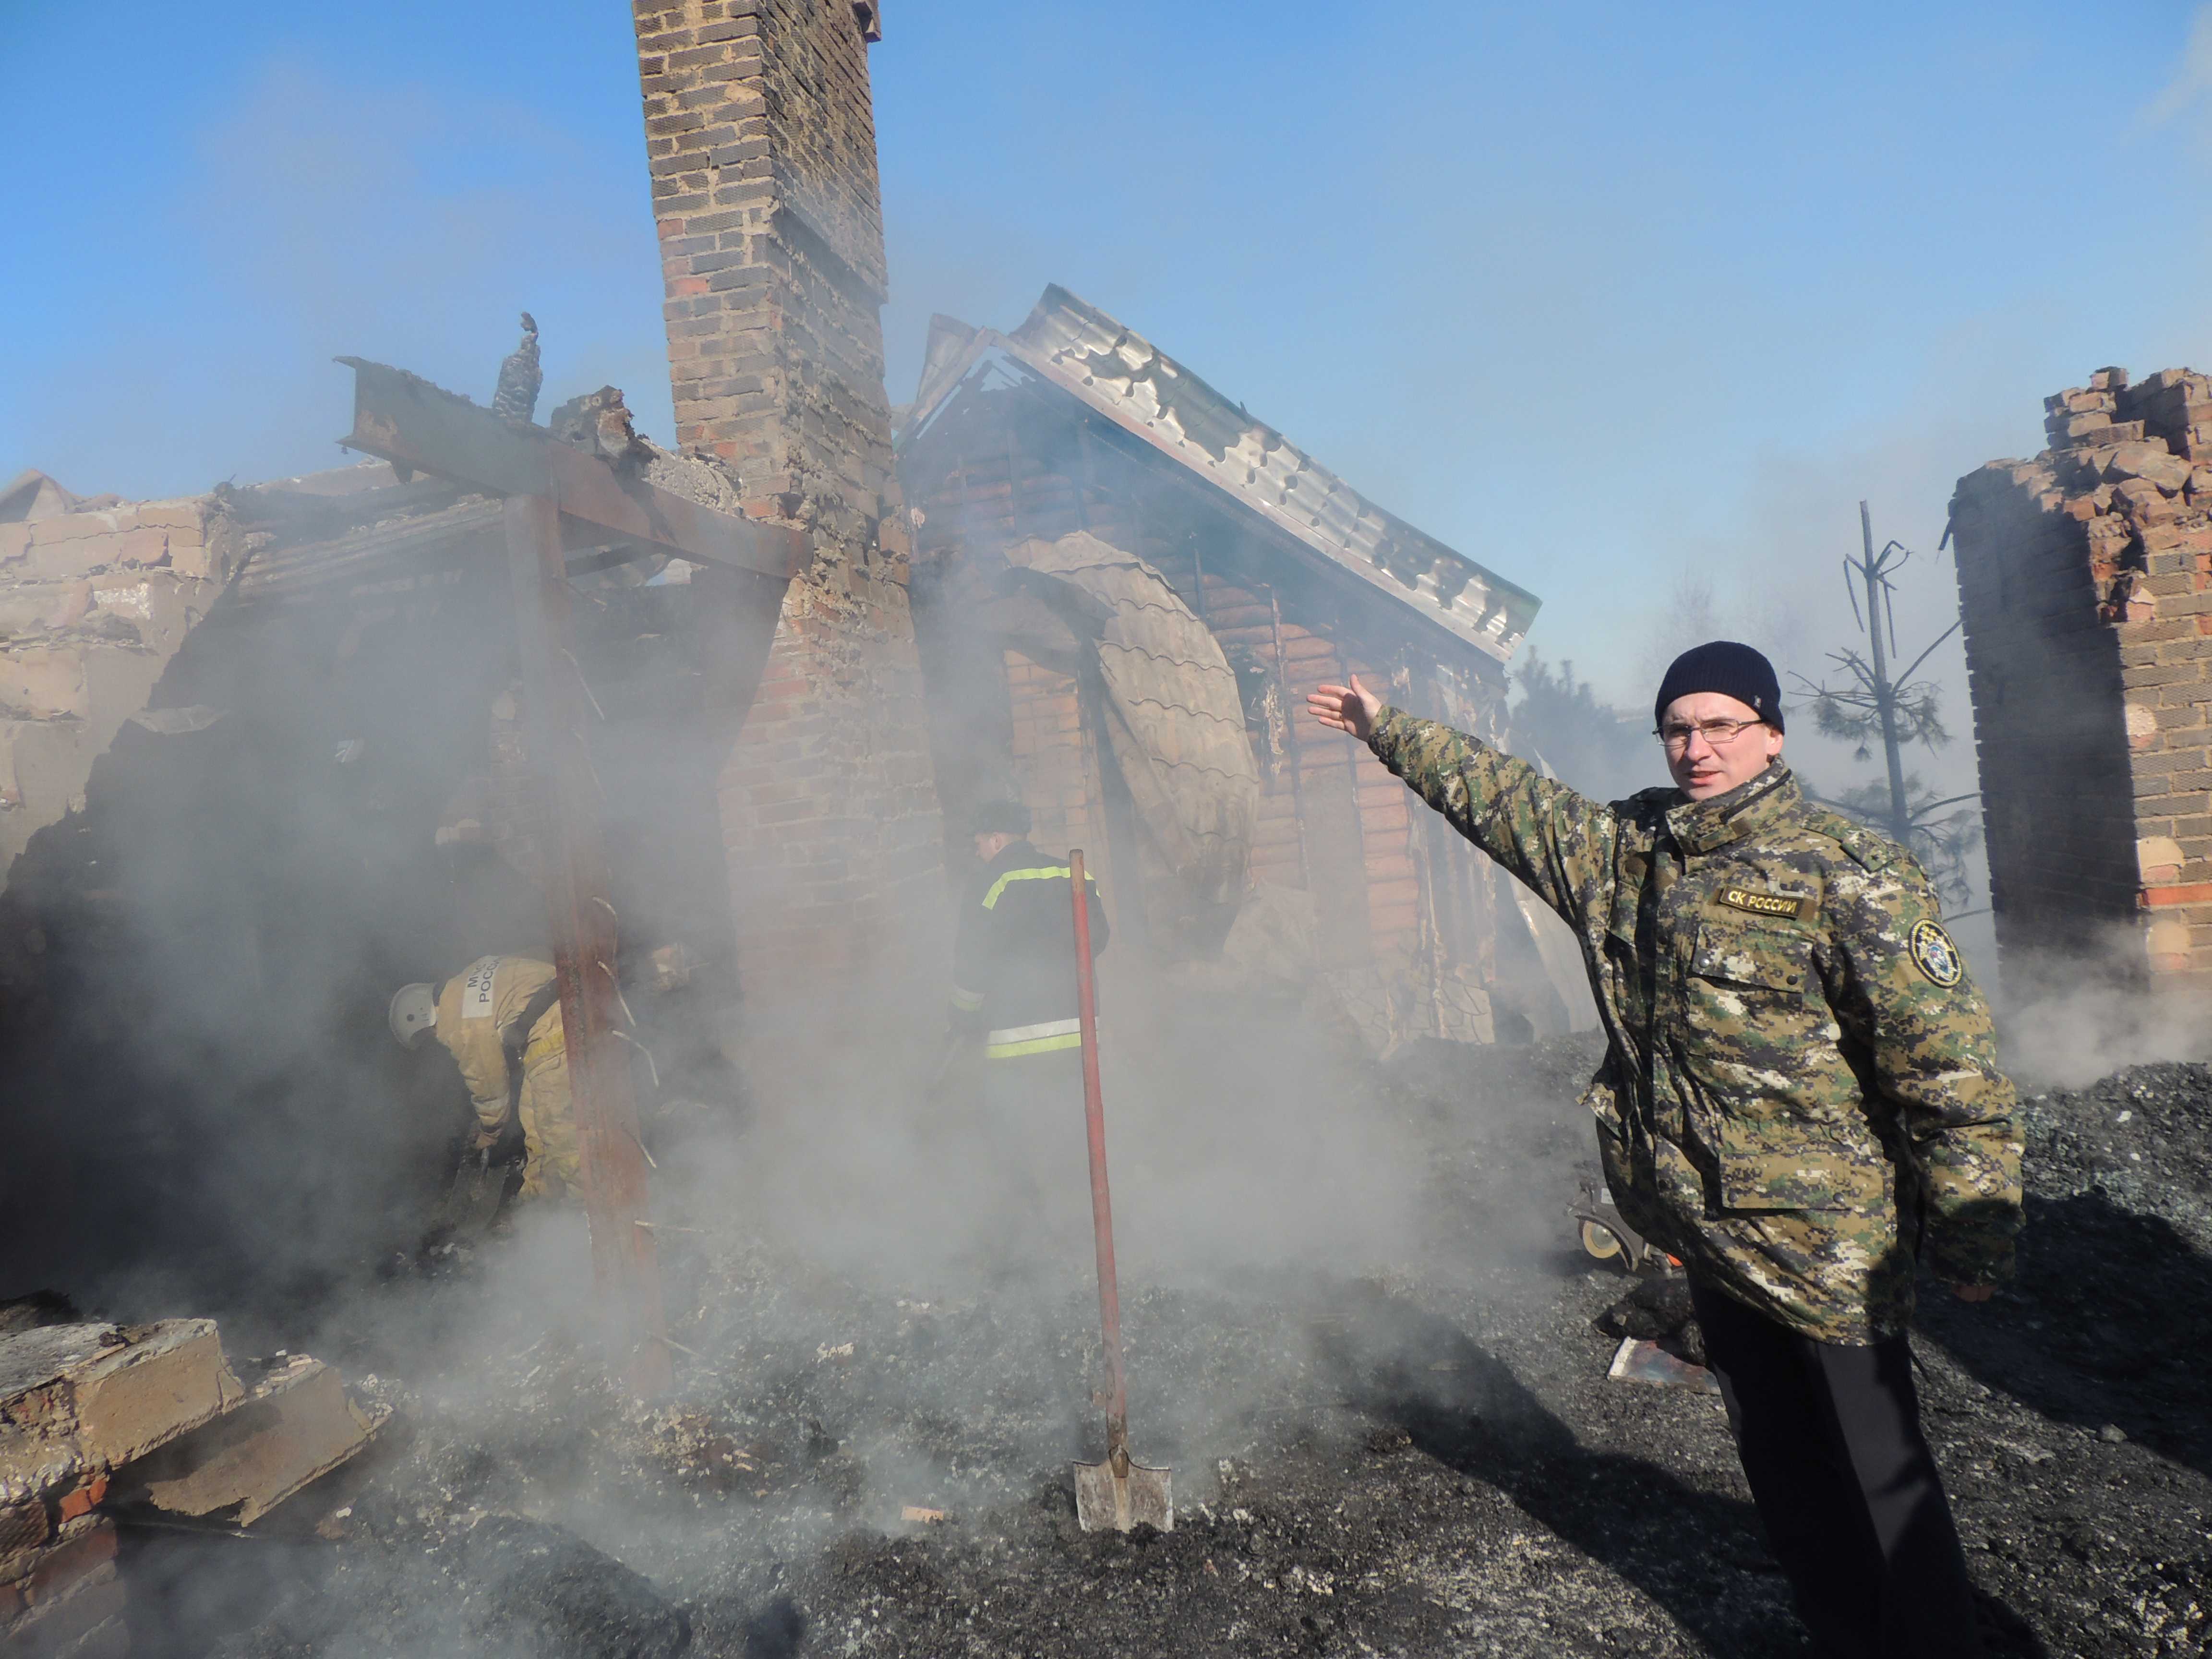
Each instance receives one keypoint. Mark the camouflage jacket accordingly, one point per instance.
(1800, 1087)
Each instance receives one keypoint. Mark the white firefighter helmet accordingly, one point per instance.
(414, 1010)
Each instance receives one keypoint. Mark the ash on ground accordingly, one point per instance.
(1417, 1455)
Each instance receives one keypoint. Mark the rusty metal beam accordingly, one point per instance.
(624, 1263)
(405, 419)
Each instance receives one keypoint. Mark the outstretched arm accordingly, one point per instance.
(1557, 843)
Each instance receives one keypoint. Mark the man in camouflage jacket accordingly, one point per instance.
(1800, 1094)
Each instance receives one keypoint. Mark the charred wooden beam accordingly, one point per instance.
(405, 419)
(624, 1263)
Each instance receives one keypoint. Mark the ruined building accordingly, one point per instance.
(2085, 583)
(260, 749)
(1126, 586)
(262, 755)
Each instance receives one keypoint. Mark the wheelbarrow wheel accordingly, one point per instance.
(1601, 1241)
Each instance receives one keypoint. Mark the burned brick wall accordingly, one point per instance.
(95, 600)
(761, 140)
(2085, 583)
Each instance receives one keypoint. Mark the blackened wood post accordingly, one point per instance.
(624, 1264)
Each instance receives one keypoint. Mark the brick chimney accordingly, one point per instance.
(2085, 585)
(761, 137)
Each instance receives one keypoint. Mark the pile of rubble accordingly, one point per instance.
(100, 1421)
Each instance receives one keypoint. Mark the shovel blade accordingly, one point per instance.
(1106, 1502)
(474, 1199)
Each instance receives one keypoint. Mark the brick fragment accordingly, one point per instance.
(67, 1567)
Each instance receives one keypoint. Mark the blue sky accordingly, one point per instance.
(1631, 302)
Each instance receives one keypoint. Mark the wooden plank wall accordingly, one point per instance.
(1057, 767)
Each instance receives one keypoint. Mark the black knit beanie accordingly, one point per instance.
(1734, 670)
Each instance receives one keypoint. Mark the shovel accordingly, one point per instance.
(1116, 1493)
(478, 1186)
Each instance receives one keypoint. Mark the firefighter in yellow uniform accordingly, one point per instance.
(499, 1018)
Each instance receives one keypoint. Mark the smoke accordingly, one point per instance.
(2068, 1017)
(2192, 77)
(869, 1307)
(322, 212)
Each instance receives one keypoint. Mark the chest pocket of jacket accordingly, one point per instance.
(1769, 959)
(1754, 1022)
(1745, 1011)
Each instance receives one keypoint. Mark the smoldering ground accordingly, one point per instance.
(1405, 1449)
(861, 1335)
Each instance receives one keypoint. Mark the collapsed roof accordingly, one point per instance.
(1123, 377)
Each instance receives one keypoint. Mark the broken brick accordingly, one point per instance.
(67, 1567)
(87, 1625)
(85, 1499)
(293, 1426)
(111, 1395)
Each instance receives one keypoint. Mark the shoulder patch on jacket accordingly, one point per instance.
(1799, 907)
(1935, 955)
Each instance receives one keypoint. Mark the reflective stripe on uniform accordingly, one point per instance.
(1060, 870)
(1035, 1046)
(965, 1000)
(1052, 1034)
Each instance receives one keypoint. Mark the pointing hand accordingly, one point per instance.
(1350, 709)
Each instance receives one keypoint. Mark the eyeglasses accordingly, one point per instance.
(1675, 734)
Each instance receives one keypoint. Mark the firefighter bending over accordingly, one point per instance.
(499, 1018)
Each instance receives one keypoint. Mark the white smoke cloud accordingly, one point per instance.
(2192, 79)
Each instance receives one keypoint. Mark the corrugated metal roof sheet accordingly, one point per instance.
(1139, 387)
(1175, 720)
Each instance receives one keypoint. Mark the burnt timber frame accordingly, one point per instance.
(557, 498)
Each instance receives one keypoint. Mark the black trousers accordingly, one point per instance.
(1831, 1442)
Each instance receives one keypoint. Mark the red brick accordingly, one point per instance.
(85, 1499)
(65, 1566)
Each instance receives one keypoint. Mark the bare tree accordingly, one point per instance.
(1874, 706)
(1588, 745)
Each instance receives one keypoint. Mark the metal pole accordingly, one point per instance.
(1101, 1205)
(624, 1264)
(1900, 818)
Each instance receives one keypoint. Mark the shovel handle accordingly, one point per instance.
(1101, 1205)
